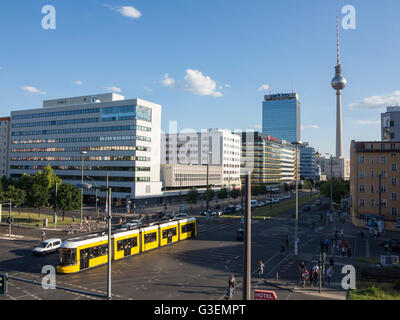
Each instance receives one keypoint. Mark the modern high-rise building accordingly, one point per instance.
(375, 180)
(270, 160)
(110, 134)
(308, 165)
(390, 124)
(4, 145)
(281, 116)
(216, 147)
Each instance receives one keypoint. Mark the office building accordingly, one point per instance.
(121, 137)
(270, 160)
(390, 124)
(184, 176)
(281, 116)
(336, 167)
(216, 147)
(308, 165)
(4, 145)
(375, 175)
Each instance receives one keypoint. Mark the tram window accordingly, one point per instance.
(151, 237)
(97, 251)
(165, 232)
(188, 228)
(132, 242)
(67, 257)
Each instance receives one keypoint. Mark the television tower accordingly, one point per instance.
(338, 84)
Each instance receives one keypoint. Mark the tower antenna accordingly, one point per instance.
(338, 45)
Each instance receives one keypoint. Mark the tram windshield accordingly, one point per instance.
(67, 257)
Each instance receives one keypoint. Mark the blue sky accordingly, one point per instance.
(205, 61)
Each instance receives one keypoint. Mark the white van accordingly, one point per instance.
(254, 203)
(47, 246)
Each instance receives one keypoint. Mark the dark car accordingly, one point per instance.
(240, 235)
(318, 202)
(306, 208)
(229, 210)
(395, 246)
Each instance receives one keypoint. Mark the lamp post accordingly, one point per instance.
(296, 143)
(97, 211)
(208, 157)
(83, 157)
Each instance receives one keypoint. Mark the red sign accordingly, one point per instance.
(264, 295)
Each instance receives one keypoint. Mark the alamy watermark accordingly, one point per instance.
(49, 20)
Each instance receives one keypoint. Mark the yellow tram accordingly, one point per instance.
(90, 251)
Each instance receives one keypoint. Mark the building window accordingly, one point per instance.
(362, 159)
(372, 173)
(383, 188)
(362, 188)
(382, 146)
(391, 123)
(394, 182)
(372, 188)
(383, 159)
(394, 211)
(394, 166)
(372, 203)
(394, 195)
(383, 174)
(383, 203)
(372, 159)
(392, 146)
(362, 173)
(362, 203)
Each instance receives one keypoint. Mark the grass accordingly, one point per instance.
(374, 291)
(32, 219)
(277, 209)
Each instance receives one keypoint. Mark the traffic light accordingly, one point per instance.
(3, 284)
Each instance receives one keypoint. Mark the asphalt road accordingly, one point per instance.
(195, 269)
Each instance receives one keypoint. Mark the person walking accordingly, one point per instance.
(260, 269)
(283, 250)
(231, 287)
(343, 251)
(329, 274)
(302, 268)
(305, 275)
(43, 235)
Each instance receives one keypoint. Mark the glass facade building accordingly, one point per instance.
(281, 116)
(119, 136)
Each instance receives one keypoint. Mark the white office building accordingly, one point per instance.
(216, 147)
(121, 137)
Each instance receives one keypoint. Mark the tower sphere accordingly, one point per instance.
(339, 82)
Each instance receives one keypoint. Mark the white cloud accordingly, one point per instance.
(147, 89)
(197, 83)
(264, 87)
(113, 89)
(367, 122)
(78, 83)
(311, 126)
(126, 11)
(378, 102)
(130, 12)
(32, 90)
(167, 81)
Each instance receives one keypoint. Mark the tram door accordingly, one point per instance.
(127, 248)
(84, 257)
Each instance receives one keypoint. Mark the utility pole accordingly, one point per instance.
(55, 210)
(247, 244)
(9, 216)
(109, 196)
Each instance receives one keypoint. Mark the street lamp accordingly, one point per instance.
(83, 157)
(208, 157)
(97, 212)
(328, 154)
(296, 143)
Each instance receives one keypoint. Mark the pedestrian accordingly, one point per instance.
(349, 253)
(336, 235)
(329, 274)
(261, 269)
(231, 287)
(346, 243)
(283, 250)
(315, 273)
(341, 232)
(302, 268)
(70, 229)
(339, 245)
(43, 236)
(305, 275)
(343, 251)
(331, 262)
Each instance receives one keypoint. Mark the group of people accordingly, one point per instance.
(344, 249)
(314, 273)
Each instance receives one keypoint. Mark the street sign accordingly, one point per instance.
(265, 295)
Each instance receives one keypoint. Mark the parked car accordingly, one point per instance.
(275, 200)
(132, 224)
(238, 207)
(318, 202)
(286, 197)
(240, 235)
(47, 246)
(306, 208)
(229, 210)
(254, 203)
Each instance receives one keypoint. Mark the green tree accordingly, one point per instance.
(341, 189)
(211, 194)
(307, 184)
(192, 196)
(68, 198)
(16, 195)
(223, 193)
(234, 193)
